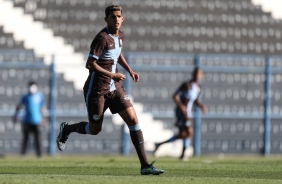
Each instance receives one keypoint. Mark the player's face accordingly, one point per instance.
(114, 20)
(199, 75)
(32, 89)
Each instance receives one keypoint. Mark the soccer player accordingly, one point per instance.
(185, 97)
(33, 102)
(103, 88)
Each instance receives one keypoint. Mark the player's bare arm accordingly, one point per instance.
(201, 105)
(178, 102)
(124, 64)
(18, 107)
(92, 65)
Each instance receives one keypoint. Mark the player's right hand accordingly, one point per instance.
(183, 109)
(89, 63)
(204, 109)
(14, 119)
(118, 77)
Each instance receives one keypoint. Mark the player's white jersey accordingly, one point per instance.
(192, 94)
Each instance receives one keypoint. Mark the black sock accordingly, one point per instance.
(138, 142)
(183, 151)
(77, 127)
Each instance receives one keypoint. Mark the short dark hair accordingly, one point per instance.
(112, 8)
(30, 83)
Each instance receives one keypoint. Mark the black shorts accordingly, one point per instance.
(181, 121)
(116, 101)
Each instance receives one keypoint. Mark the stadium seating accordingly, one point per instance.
(7, 41)
(207, 26)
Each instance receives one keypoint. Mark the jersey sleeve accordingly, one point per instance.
(23, 100)
(181, 89)
(97, 47)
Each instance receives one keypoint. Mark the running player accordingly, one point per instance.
(103, 89)
(185, 97)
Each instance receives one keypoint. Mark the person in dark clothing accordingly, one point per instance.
(33, 103)
(185, 97)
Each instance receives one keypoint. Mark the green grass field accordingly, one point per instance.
(117, 169)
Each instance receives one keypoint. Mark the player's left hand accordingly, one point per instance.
(204, 109)
(14, 119)
(118, 77)
(135, 76)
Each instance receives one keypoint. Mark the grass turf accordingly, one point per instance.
(116, 170)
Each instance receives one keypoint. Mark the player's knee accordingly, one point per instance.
(130, 120)
(185, 135)
(129, 116)
(95, 129)
(190, 132)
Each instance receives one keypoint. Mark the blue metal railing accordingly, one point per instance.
(267, 114)
(197, 119)
(52, 111)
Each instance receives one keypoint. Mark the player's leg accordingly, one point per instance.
(95, 109)
(25, 137)
(120, 103)
(95, 104)
(92, 128)
(36, 133)
(171, 139)
(186, 140)
(184, 136)
(157, 145)
(130, 118)
(179, 123)
(85, 127)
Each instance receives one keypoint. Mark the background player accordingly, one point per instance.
(185, 97)
(103, 88)
(33, 102)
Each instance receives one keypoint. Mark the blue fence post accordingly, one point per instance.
(125, 133)
(52, 110)
(267, 112)
(197, 119)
